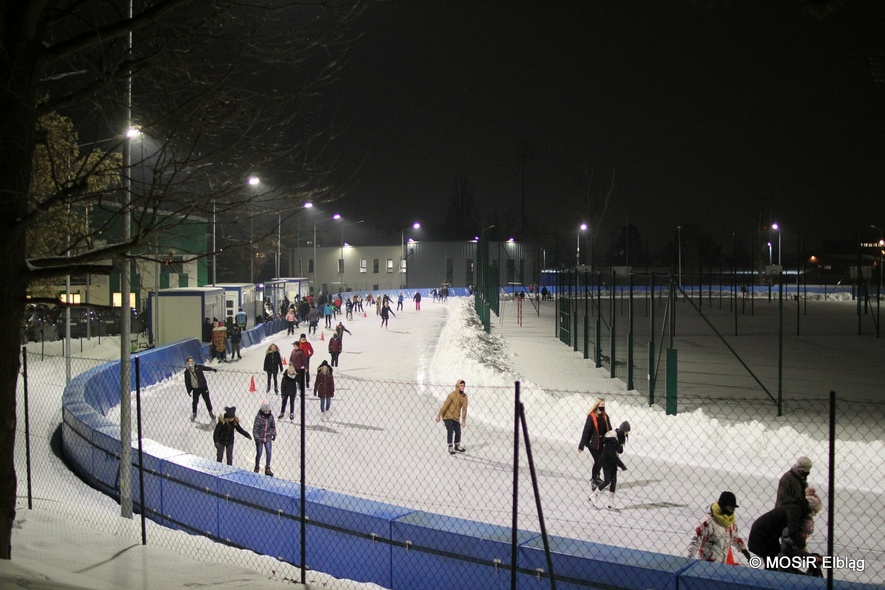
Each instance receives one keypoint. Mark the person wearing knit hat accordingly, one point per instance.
(612, 447)
(223, 435)
(792, 484)
(718, 532)
(264, 432)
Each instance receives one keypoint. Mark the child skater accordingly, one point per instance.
(264, 432)
(612, 446)
(224, 434)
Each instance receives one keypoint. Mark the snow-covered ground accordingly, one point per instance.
(382, 443)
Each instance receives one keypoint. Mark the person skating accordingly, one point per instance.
(290, 382)
(595, 426)
(386, 312)
(264, 432)
(273, 365)
(223, 435)
(335, 348)
(324, 388)
(196, 385)
(718, 532)
(612, 447)
(454, 414)
(307, 349)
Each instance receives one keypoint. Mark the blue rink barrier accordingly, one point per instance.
(350, 537)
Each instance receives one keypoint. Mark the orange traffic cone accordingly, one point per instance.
(252, 385)
(364, 314)
(729, 559)
(284, 361)
(322, 336)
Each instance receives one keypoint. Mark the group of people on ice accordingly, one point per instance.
(779, 537)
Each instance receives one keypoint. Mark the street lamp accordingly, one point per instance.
(402, 254)
(770, 261)
(775, 227)
(578, 251)
(679, 249)
(881, 245)
(251, 181)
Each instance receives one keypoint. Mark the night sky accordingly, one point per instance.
(715, 113)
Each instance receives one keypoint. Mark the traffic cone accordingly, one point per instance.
(284, 361)
(322, 336)
(729, 559)
(364, 314)
(252, 385)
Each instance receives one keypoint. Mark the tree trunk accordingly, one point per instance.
(18, 99)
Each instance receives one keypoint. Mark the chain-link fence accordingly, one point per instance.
(751, 343)
(378, 446)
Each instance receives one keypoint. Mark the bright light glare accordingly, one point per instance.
(133, 132)
(308, 205)
(336, 216)
(254, 180)
(774, 227)
(416, 225)
(583, 227)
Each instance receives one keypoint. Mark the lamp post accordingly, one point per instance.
(578, 251)
(251, 181)
(402, 254)
(881, 245)
(770, 260)
(679, 249)
(776, 228)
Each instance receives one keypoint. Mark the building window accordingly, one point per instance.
(363, 265)
(375, 266)
(469, 271)
(390, 265)
(310, 265)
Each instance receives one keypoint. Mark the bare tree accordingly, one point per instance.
(220, 90)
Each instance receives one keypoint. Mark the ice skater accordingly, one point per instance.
(612, 446)
(264, 432)
(595, 427)
(223, 435)
(454, 413)
(196, 385)
(324, 388)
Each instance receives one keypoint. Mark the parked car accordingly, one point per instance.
(85, 322)
(38, 324)
(111, 320)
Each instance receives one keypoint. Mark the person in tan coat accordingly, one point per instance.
(453, 412)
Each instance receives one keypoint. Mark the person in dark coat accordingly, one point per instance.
(236, 337)
(595, 427)
(196, 385)
(289, 390)
(223, 435)
(264, 432)
(335, 348)
(273, 364)
(324, 388)
(787, 520)
(207, 330)
(386, 312)
(417, 299)
(793, 483)
(612, 446)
